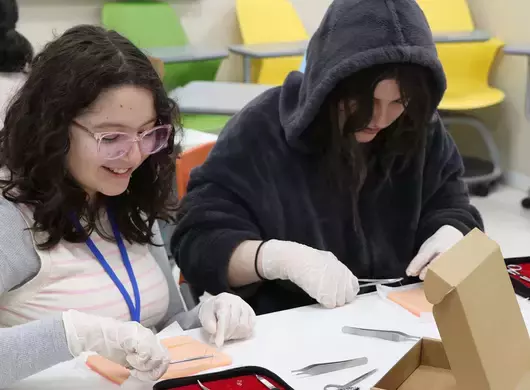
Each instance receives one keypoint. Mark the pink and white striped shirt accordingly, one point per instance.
(70, 277)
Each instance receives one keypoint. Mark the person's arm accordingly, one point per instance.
(213, 221)
(215, 247)
(445, 195)
(225, 316)
(25, 349)
(234, 202)
(28, 349)
(242, 267)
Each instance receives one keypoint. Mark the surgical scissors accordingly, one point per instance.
(515, 270)
(349, 385)
(202, 386)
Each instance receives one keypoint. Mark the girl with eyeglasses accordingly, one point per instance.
(87, 164)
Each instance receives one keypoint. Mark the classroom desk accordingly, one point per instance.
(206, 97)
(188, 53)
(266, 50)
(298, 48)
(461, 37)
(288, 340)
(228, 98)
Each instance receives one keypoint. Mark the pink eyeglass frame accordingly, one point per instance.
(133, 138)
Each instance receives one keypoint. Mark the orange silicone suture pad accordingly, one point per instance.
(413, 300)
(107, 369)
(180, 348)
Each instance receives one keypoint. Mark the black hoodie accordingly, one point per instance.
(257, 183)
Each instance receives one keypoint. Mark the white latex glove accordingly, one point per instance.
(227, 317)
(438, 243)
(125, 343)
(320, 274)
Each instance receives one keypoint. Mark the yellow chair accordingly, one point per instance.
(270, 21)
(467, 67)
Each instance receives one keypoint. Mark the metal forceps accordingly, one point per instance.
(349, 385)
(514, 269)
(390, 335)
(375, 282)
(324, 368)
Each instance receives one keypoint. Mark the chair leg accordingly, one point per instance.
(493, 150)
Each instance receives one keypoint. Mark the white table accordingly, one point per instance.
(216, 97)
(289, 340)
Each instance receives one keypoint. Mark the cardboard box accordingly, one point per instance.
(485, 344)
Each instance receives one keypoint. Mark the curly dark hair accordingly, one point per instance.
(65, 78)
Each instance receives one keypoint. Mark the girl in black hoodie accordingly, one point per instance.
(345, 172)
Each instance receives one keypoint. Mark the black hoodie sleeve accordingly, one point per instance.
(225, 197)
(445, 195)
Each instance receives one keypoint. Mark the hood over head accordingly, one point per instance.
(354, 35)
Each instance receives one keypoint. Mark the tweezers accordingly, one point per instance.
(323, 368)
(390, 335)
(375, 282)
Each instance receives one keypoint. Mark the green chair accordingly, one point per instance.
(155, 24)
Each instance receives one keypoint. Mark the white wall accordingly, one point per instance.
(508, 20)
(205, 21)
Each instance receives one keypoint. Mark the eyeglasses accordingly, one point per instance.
(114, 145)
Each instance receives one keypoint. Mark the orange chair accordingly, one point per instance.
(190, 159)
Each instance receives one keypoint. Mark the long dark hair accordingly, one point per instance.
(15, 50)
(65, 78)
(345, 160)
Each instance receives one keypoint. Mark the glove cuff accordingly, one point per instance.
(275, 255)
(74, 342)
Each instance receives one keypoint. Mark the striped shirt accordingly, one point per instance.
(70, 277)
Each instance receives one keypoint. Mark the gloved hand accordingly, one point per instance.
(320, 274)
(227, 317)
(125, 343)
(437, 244)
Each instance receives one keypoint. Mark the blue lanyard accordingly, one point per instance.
(134, 309)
